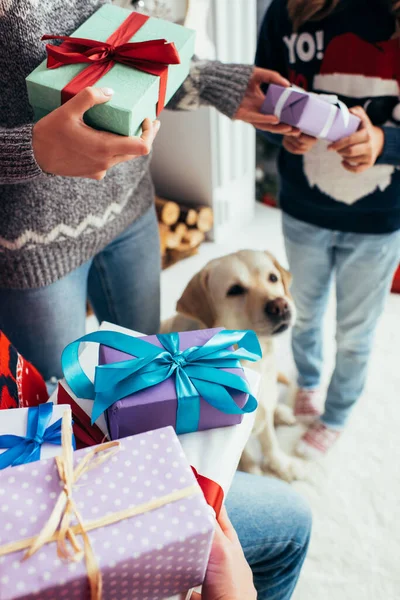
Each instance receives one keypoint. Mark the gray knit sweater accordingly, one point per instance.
(51, 225)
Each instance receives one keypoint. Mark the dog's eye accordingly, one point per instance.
(236, 290)
(273, 278)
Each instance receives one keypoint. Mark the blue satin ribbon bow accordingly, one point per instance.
(23, 450)
(198, 372)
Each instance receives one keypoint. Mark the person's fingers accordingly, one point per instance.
(224, 526)
(252, 116)
(292, 145)
(266, 76)
(359, 137)
(195, 596)
(99, 175)
(87, 98)
(295, 132)
(354, 151)
(360, 168)
(359, 112)
(112, 145)
(307, 139)
(149, 136)
(280, 129)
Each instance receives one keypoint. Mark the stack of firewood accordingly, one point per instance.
(182, 229)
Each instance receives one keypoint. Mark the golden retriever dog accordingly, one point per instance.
(247, 290)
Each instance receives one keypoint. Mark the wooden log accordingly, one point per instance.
(175, 237)
(205, 219)
(188, 216)
(194, 237)
(167, 211)
(164, 232)
(176, 254)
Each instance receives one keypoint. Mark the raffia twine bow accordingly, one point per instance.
(60, 528)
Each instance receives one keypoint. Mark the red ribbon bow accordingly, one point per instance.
(213, 492)
(152, 56)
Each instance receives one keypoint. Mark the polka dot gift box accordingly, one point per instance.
(161, 551)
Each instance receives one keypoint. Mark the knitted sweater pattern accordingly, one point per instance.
(50, 225)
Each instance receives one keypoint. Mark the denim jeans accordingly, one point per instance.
(274, 527)
(362, 267)
(122, 283)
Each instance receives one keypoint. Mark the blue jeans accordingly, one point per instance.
(274, 527)
(362, 266)
(122, 283)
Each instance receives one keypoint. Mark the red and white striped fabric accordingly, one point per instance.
(21, 385)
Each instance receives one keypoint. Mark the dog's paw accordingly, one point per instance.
(285, 467)
(283, 415)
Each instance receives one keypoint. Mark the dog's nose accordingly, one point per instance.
(277, 308)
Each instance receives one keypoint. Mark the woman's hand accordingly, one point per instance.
(361, 150)
(250, 109)
(64, 145)
(228, 577)
(299, 144)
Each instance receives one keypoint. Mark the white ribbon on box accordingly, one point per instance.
(331, 99)
(15, 421)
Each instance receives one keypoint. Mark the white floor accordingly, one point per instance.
(355, 492)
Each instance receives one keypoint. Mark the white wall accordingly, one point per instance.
(202, 157)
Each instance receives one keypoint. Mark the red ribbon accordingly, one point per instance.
(85, 433)
(151, 57)
(213, 492)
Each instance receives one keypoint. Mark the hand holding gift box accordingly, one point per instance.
(145, 60)
(162, 548)
(323, 116)
(191, 380)
(31, 434)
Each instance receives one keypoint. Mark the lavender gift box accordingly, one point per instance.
(148, 557)
(319, 116)
(156, 407)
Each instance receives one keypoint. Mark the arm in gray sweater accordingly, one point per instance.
(210, 83)
(17, 162)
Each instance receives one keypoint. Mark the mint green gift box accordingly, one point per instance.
(135, 92)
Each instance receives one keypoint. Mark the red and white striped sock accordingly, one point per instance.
(307, 405)
(317, 441)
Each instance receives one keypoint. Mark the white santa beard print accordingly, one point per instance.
(324, 170)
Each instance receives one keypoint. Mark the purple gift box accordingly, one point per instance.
(147, 557)
(156, 407)
(312, 114)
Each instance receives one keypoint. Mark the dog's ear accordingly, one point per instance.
(195, 301)
(286, 275)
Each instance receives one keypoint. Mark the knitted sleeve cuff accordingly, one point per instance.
(17, 161)
(212, 83)
(391, 148)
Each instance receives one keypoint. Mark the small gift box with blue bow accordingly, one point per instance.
(192, 381)
(30, 434)
(319, 115)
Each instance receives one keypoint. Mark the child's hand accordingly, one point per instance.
(250, 109)
(64, 145)
(361, 150)
(228, 577)
(299, 144)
